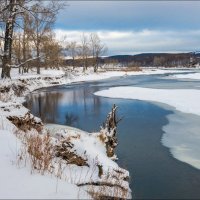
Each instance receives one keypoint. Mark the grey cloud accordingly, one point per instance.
(130, 15)
(131, 42)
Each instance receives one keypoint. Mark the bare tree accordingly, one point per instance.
(84, 51)
(52, 51)
(8, 15)
(26, 45)
(17, 48)
(22, 47)
(11, 11)
(72, 49)
(40, 26)
(98, 49)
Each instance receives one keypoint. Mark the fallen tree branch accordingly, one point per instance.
(31, 59)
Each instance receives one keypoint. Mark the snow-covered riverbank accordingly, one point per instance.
(89, 75)
(12, 93)
(90, 169)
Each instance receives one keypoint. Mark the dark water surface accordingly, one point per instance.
(154, 172)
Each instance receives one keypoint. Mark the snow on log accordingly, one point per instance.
(108, 132)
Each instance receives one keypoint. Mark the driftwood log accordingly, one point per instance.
(110, 129)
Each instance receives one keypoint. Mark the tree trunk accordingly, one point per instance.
(24, 50)
(38, 59)
(6, 62)
(95, 64)
(38, 45)
(73, 63)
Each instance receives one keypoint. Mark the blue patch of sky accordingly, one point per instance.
(129, 15)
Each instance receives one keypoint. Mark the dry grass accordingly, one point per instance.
(9, 91)
(41, 154)
(5, 94)
(106, 191)
(102, 137)
(27, 122)
(37, 150)
(132, 69)
(111, 185)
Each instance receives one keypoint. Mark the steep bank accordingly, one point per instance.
(84, 165)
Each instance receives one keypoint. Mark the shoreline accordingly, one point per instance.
(27, 84)
(12, 107)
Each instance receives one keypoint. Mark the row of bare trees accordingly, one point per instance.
(26, 34)
(27, 39)
(27, 54)
(86, 52)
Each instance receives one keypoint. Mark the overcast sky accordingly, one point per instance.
(130, 27)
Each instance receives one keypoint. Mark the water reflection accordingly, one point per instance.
(71, 119)
(56, 106)
(45, 105)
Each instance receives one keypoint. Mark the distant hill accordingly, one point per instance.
(156, 59)
(146, 60)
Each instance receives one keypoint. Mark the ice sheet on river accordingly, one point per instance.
(195, 76)
(182, 134)
(183, 138)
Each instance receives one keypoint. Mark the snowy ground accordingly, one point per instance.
(181, 134)
(16, 182)
(16, 179)
(89, 75)
(18, 175)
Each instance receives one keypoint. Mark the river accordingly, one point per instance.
(155, 173)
